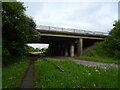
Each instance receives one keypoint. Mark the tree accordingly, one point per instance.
(113, 40)
(17, 29)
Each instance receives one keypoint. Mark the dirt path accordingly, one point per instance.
(88, 63)
(28, 80)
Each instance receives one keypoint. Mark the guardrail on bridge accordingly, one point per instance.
(70, 30)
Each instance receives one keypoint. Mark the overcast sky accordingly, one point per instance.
(93, 16)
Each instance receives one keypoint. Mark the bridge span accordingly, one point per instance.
(69, 42)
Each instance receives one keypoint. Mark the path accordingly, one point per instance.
(28, 80)
(88, 63)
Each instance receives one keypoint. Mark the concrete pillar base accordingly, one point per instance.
(72, 50)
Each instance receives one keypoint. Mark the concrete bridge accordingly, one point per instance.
(68, 42)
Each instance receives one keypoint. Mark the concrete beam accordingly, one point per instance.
(80, 47)
(72, 50)
(70, 36)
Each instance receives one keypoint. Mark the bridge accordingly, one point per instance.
(67, 41)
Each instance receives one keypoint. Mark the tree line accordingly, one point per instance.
(17, 30)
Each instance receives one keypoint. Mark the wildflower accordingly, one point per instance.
(10, 78)
(89, 73)
(105, 67)
(96, 70)
(94, 85)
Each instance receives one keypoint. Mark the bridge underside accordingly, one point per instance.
(68, 43)
(60, 46)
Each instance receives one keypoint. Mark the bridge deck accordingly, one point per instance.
(69, 31)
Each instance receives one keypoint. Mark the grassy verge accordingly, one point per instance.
(98, 59)
(12, 75)
(48, 75)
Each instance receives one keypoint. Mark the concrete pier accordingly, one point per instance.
(72, 50)
(79, 47)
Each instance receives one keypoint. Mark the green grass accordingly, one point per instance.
(99, 54)
(12, 75)
(98, 59)
(74, 75)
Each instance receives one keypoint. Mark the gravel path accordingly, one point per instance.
(88, 63)
(99, 64)
(28, 80)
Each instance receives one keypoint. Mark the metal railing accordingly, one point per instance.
(51, 28)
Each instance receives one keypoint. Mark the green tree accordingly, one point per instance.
(113, 40)
(17, 29)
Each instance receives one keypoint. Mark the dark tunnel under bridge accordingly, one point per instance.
(64, 43)
(60, 46)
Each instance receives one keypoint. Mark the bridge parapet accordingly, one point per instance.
(51, 28)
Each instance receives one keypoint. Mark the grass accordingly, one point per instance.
(98, 59)
(12, 75)
(99, 54)
(74, 75)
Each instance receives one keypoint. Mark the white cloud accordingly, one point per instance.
(95, 16)
(68, 0)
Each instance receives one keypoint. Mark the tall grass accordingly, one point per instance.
(12, 75)
(74, 75)
(98, 59)
(99, 54)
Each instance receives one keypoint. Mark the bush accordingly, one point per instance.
(41, 55)
(5, 55)
(99, 51)
(113, 41)
(117, 54)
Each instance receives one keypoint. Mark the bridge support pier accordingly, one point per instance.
(72, 50)
(66, 51)
(80, 47)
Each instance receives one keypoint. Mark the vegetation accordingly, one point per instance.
(113, 41)
(44, 53)
(13, 74)
(98, 59)
(99, 54)
(107, 51)
(50, 73)
(17, 30)
(31, 49)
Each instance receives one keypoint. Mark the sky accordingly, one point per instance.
(92, 16)
(40, 46)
